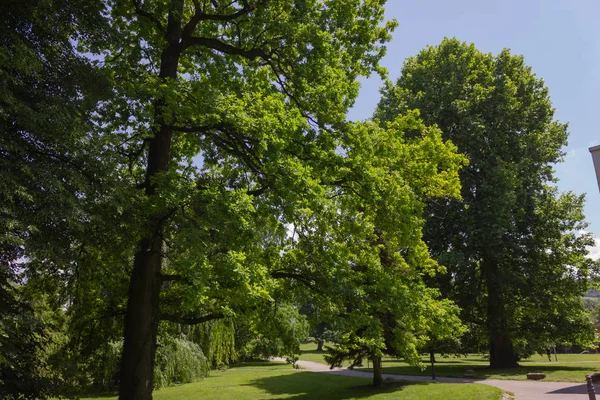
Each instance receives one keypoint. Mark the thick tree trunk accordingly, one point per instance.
(377, 372)
(143, 313)
(141, 324)
(502, 353)
(319, 345)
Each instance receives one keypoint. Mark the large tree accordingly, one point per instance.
(227, 112)
(516, 260)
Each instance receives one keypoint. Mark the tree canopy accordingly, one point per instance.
(515, 247)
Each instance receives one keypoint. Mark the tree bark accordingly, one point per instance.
(143, 313)
(141, 324)
(319, 345)
(377, 372)
(502, 352)
(432, 360)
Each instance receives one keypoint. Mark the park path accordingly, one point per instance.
(523, 390)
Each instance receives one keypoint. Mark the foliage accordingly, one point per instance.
(517, 264)
(23, 337)
(216, 338)
(230, 114)
(595, 312)
(105, 365)
(179, 361)
(51, 169)
(275, 332)
(590, 303)
(180, 155)
(376, 248)
(321, 331)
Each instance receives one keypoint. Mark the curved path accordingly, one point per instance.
(523, 390)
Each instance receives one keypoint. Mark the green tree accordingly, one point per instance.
(384, 306)
(595, 313)
(47, 94)
(517, 265)
(255, 90)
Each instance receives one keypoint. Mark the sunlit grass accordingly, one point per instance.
(569, 368)
(280, 381)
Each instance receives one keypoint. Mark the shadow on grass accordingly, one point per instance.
(258, 364)
(92, 394)
(483, 372)
(314, 352)
(310, 385)
(465, 361)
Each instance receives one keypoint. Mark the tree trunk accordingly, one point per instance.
(319, 345)
(141, 324)
(377, 373)
(502, 353)
(143, 313)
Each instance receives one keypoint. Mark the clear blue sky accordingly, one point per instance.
(560, 40)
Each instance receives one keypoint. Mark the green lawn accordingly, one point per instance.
(569, 368)
(310, 353)
(279, 381)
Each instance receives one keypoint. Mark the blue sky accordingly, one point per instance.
(560, 40)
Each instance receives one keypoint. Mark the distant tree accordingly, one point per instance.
(517, 264)
(595, 313)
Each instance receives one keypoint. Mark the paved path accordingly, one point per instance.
(523, 390)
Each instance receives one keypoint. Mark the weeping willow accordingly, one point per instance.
(179, 360)
(215, 338)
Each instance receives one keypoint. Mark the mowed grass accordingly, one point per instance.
(269, 380)
(569, 368)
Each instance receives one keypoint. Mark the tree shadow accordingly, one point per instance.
(93, 395)
(578, 389)
(461, 361)
(458, 370)
(526, 369)
(314, 352)
(258, 364)
(311, 385)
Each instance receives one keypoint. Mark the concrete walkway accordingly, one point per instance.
(523, 390)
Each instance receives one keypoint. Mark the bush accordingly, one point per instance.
(179, 361)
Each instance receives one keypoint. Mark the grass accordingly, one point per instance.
(569, 368)
(279, 381)
(309, 352)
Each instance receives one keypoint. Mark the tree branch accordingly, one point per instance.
(200, 15)
(257, 192)
(230, 141)
(198, 128)
(192, 320)
(223, 47)
(143, 13)
(311, 284)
